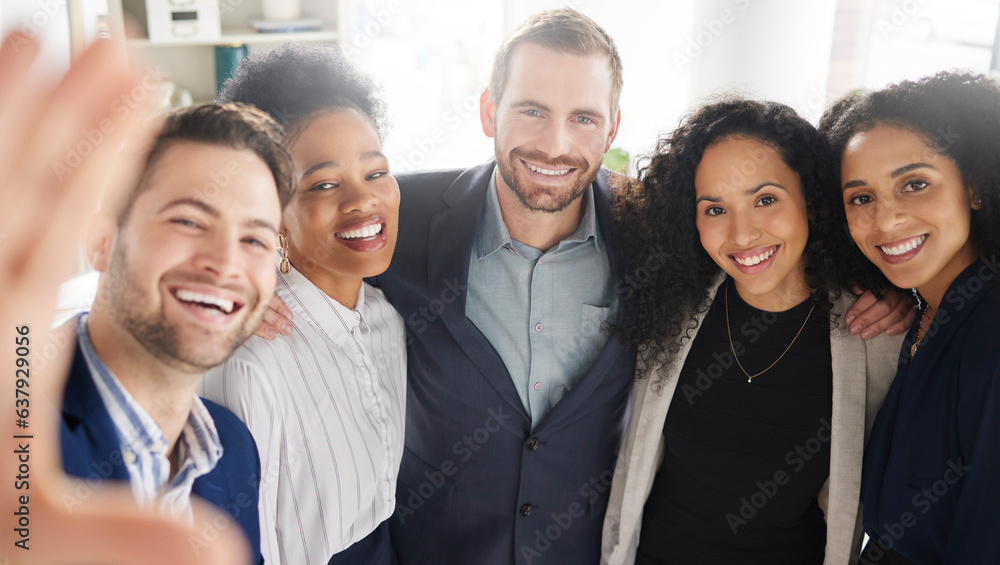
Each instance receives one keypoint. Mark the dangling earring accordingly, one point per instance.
(283, 250)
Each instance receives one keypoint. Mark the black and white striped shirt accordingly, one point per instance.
(326, 408)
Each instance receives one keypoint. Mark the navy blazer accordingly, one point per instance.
(90, 450)
(930, 483)
(475, 484)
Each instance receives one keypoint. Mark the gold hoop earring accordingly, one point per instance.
(283, 250)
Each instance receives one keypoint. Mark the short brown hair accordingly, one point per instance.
(239, 126)
(564, 30)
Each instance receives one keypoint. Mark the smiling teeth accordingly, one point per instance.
(751, 261)
(199, 298)
(905, 247)
(366, 231)
(549, 172)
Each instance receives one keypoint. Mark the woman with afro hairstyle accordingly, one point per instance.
(753, 397)
(920, 181)
(325, 402)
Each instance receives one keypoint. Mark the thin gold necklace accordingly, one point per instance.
(733, 349)
(920, 338)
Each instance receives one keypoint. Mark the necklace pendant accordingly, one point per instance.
(749, 379)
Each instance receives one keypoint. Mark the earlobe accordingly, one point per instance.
(100, 240)
(487, 107)
(976, 201)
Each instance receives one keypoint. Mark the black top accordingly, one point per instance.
(744, 462)
(931, 478)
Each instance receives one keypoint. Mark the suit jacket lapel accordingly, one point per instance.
(85, 415)
(206, 487)
(452, 235)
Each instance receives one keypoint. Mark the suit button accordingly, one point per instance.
(532, 444)
(526, 510)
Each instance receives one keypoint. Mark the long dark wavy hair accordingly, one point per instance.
(957, 115)
(670, 274)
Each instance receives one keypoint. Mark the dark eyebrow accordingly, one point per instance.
(760, 186)
(366, 156)
(588, 112)
(531, 104)
(373, 154)
(907, 168)
(318, 166)
(898, 172)
(749, 192)
(194, 203)
(206, 208)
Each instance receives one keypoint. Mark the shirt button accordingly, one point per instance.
(538, 386)
(157, 446)
(538, 327)
(542, 260)
(532, 444)
(526, 510)
(128, 457)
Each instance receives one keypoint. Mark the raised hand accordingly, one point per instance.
(59, 149)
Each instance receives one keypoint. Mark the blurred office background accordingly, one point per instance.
(433, 57)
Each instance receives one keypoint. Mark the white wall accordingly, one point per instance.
(774, 49)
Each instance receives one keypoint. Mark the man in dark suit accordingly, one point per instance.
(185, 260)
(504, 274)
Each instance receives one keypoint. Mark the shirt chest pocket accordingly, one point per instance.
(583, 340)
(592, 320)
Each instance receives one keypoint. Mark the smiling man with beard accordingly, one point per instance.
(184, 266)
(504, 274)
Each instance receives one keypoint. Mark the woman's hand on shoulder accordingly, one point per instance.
(892, 313)
(277, 320)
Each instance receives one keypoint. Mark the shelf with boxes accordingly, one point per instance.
(247, 37)
(196, 42)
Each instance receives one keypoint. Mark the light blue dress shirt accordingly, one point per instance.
(143, 444)
(543, 311)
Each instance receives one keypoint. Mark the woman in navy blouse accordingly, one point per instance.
(921, 185)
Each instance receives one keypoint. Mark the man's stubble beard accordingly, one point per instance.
(154, 332)
(508, 173)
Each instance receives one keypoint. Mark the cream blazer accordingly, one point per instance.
(862, 372)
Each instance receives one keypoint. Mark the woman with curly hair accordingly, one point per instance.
(751, 409)
(326, 403)
(921, 185)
